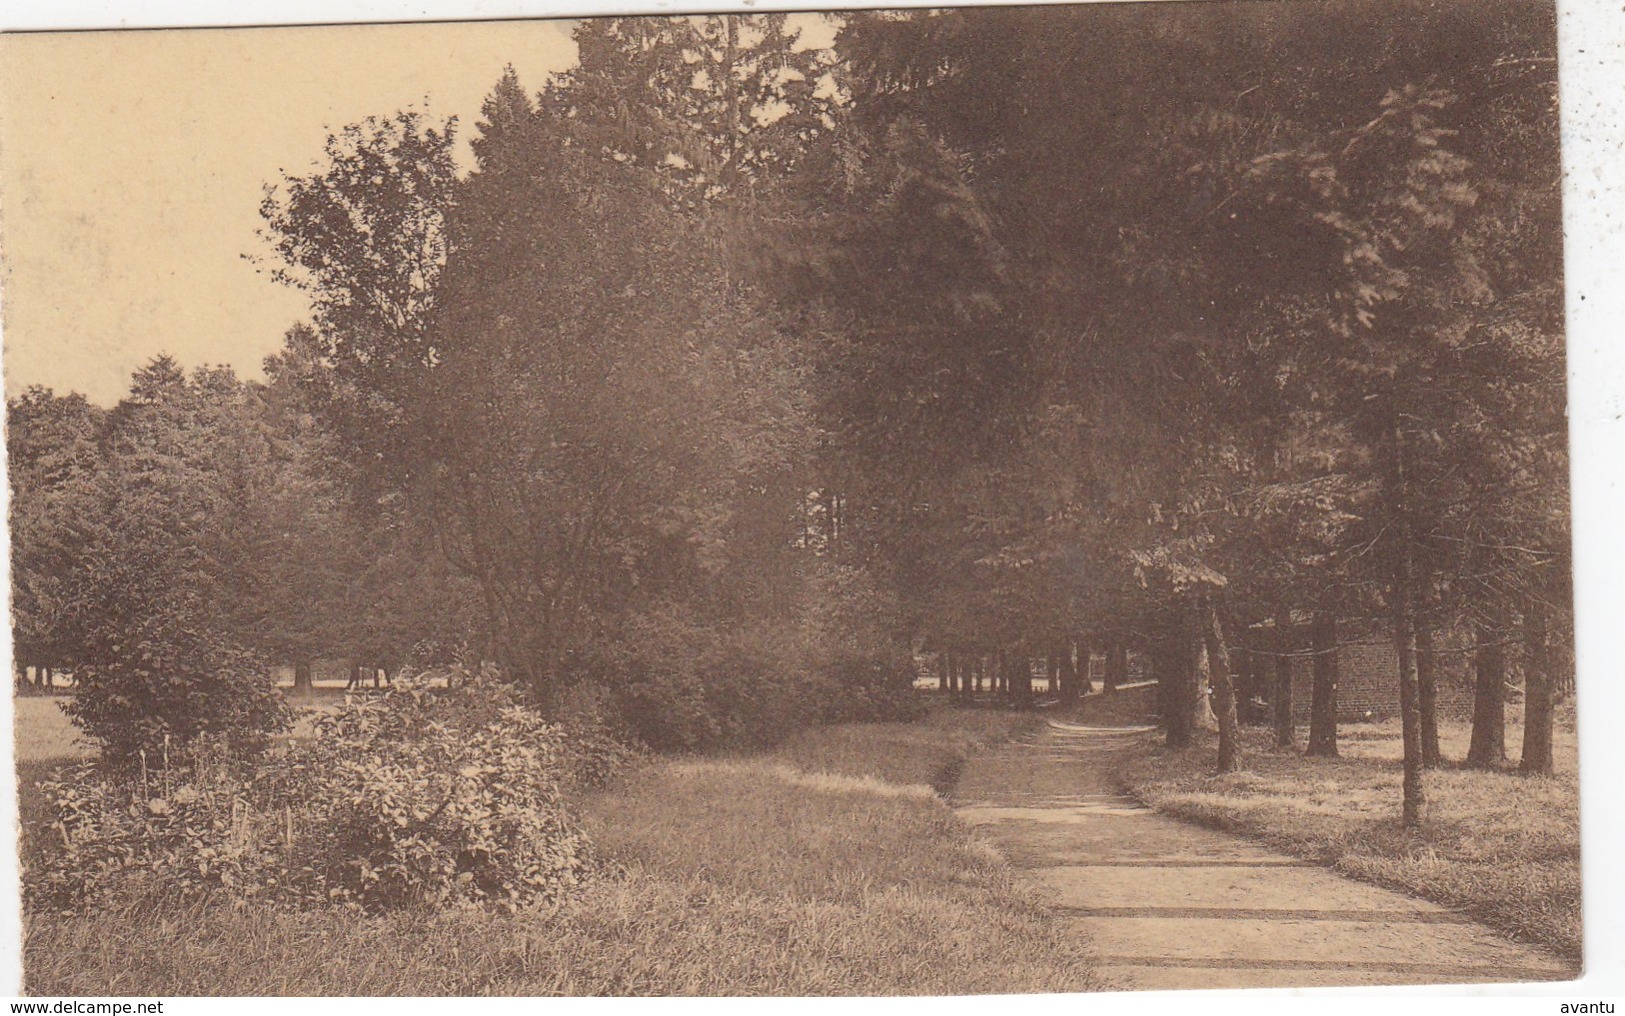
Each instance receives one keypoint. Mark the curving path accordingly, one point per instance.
(1171, 905)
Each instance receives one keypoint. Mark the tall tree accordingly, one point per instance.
(1487, 748)
(588, 457)
(716, 106)
(51, 448)
(1284, 648)
(150, 593)
(365, 238)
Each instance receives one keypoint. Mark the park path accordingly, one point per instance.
(1171, 905)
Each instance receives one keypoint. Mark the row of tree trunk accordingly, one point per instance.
(1198, 688)
(1413, 641)
(30, 676)
(303, 676)
(305, 670)
(1068, 672)
(1198, 675)
(1185, 669)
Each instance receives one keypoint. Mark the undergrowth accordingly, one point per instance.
(826, 867)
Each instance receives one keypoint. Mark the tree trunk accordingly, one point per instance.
(302, 678)
(1402, 603)
(945, 680)
(1116, 667)
(1160, 674)
(1224, 690)
(1323, 692)
(1069, 675)
(730, 93)
(1021, 675)
(1488, 748)
(1427, 692)
(1414, 812)
(1537, 693)
(1248, 683)
(1201, 669)
(1286, 734)
(1176, 682)
(1052, 674)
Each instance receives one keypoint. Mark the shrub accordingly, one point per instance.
(414, 797)
(685, 683)
(865, 688)
(146, 697)
(595, 736)
(178, 828)
(862, 664)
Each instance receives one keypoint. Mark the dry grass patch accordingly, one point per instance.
(930, 752)
(1503, 847)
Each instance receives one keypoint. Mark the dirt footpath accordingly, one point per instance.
(1170, 905)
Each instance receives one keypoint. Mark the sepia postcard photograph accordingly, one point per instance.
(962, 501)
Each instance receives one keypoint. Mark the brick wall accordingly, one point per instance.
(1368, 681)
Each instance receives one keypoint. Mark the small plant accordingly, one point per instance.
(181, 825)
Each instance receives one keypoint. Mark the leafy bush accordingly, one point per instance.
(414, 797)
(197, 684)
(179, 828)
(866, 688)
(595, 742)
(684, 684)
(864, 667)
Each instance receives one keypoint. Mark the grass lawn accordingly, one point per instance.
(824, 867)
(43, 732)
(1500, 846)
(43, 742)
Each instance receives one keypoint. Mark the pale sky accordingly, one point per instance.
(131, 166)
